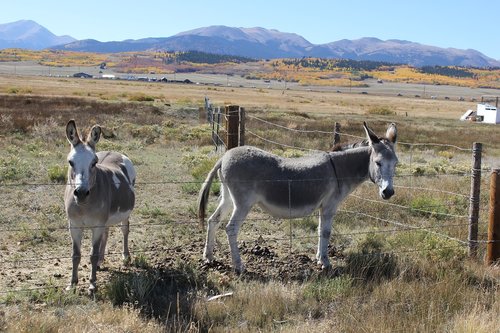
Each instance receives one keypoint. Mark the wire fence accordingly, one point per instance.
(412, 161)
(397, 224)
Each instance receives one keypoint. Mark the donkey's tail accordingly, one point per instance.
(204, 192)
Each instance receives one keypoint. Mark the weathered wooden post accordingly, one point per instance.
(209, 110)
(336, 134)
(474, 198)
(493, 245)
(241, 141)
(232, 126)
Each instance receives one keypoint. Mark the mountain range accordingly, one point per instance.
(26, 34)
(258, 43)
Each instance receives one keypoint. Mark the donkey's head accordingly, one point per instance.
(82, 160)
(383, 160)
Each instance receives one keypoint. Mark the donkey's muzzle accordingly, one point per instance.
(387, 193)
(81, 193)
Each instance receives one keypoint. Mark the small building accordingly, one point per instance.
(484, 113)
(83, 75)
(488, 113)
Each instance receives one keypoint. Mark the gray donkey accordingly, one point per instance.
(294, 187)
(99, 193)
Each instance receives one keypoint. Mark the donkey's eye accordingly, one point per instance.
(71, 164)
(378, 164)
(94, 163)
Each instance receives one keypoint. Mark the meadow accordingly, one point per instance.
(411, 277)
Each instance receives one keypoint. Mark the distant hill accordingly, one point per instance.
(257, 43)
(28, 34)
(405, 52)
(262, 43)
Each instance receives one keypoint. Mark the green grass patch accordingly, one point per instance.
(13, 168)
(140, 97)
(427, 206)
(57, 173)
(328, 290)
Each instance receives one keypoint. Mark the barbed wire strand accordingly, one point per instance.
(357, 136)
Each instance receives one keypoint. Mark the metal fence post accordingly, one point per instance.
(218, 140)
(493, 245)
(474, 198)
(241, 141)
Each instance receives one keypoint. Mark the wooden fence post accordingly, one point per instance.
(474, 198)
(336, 134)
(232, 126)
(493, 245)
(241, 141)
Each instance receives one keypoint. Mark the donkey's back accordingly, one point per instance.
(117, 175)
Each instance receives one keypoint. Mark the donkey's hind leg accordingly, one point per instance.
(125, 232)
(222, 211)
(240, 212)
(324, 232)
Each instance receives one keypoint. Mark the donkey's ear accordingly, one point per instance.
(372, 137)
(72, 133)
(94, 135)
(392, 133)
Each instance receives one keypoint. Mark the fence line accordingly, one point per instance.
(414, 228)
(273, 239)
(407, 207)
(165, 182)
(279, 144)
(168, 222)
(344, 134)
(432, 190)
(402, 227)
(291, 129)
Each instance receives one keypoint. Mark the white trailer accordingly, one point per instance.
(487, 113)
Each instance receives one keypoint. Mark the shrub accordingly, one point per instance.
(141, 98)
(381, 111)
(13, 168)
(57, 174)
(428, 207)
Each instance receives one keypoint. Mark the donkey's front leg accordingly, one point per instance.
(97, 234)
(324, 232)
(76, 237)
(102, 247)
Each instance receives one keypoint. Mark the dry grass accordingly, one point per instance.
(317, 102)
(90, 317)
(381, 283)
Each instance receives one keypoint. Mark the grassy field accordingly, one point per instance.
(387, 278)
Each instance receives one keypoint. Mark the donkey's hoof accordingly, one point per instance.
(92, 289)
(208, 259)
(71, 287)
(239, 270)
(127, 261)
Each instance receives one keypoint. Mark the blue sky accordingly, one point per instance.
(459, 23)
